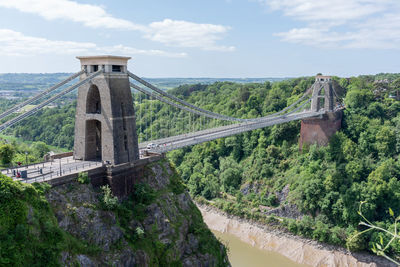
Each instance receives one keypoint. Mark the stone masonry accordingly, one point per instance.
(319, 130)
(105, 127)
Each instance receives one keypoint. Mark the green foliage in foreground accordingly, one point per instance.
(388, 237)
(29, 232)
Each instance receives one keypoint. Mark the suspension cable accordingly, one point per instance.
(263, 119)
(50, 100)
(213, 115)
(40, 95)
(152, 87)
(150, 94)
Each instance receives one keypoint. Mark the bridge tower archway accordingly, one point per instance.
(322, 95)
(93, 101)
(105, 126)
(93, 149)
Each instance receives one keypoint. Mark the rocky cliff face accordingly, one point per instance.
(157, 226)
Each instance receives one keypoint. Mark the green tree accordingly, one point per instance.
(358, 98)
(386, 141)
(40, 149)
(230, 174)
(7, 153)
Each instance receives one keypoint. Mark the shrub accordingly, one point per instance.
(176, 185)
(143, 193)
(272, 200)
(139, 232)
(7, 153)
(356, 241)
(109, 200)
(305, 226)
(83, 178)
(338, 236)
(321, 231)
(292, 227)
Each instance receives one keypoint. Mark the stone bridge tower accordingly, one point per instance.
(320, 129)
(105, 126)
(322, 83)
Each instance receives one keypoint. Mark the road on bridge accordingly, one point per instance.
(176, 142)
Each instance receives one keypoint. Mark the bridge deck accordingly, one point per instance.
(176, 142)
(51, 170)
(57, 169)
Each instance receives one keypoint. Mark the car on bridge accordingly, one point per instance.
(152, 145)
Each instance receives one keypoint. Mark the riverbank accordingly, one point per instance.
(297, 249)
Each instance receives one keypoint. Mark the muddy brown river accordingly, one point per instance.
(242, 254)
(255, 245)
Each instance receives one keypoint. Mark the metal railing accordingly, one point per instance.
(54, 171)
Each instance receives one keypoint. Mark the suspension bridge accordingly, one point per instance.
(106, 128)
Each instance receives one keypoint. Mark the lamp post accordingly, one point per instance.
(26, 158)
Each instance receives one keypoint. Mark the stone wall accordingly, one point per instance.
(61, 155)
(114, 124)
(97, 177)
(319, 130)
(121, 178)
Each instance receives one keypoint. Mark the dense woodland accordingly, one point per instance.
(247, 174)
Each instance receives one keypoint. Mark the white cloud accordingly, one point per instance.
(126, 50)
(90, 15)
(169, 32)
(338, 11)
(342, 23)
(311, 36)
(188, 34)
(14, 43)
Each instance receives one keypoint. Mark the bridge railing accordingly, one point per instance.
(54, 171)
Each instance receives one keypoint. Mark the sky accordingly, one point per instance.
(207, 38)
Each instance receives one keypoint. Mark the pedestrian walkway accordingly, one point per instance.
(41, 172)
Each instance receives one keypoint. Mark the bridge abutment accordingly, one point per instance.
(320, 130)
(122, 178)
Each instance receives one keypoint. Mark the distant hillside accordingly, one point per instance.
(32, 78)
(20, 85)
(168, 83)
(40, 79)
